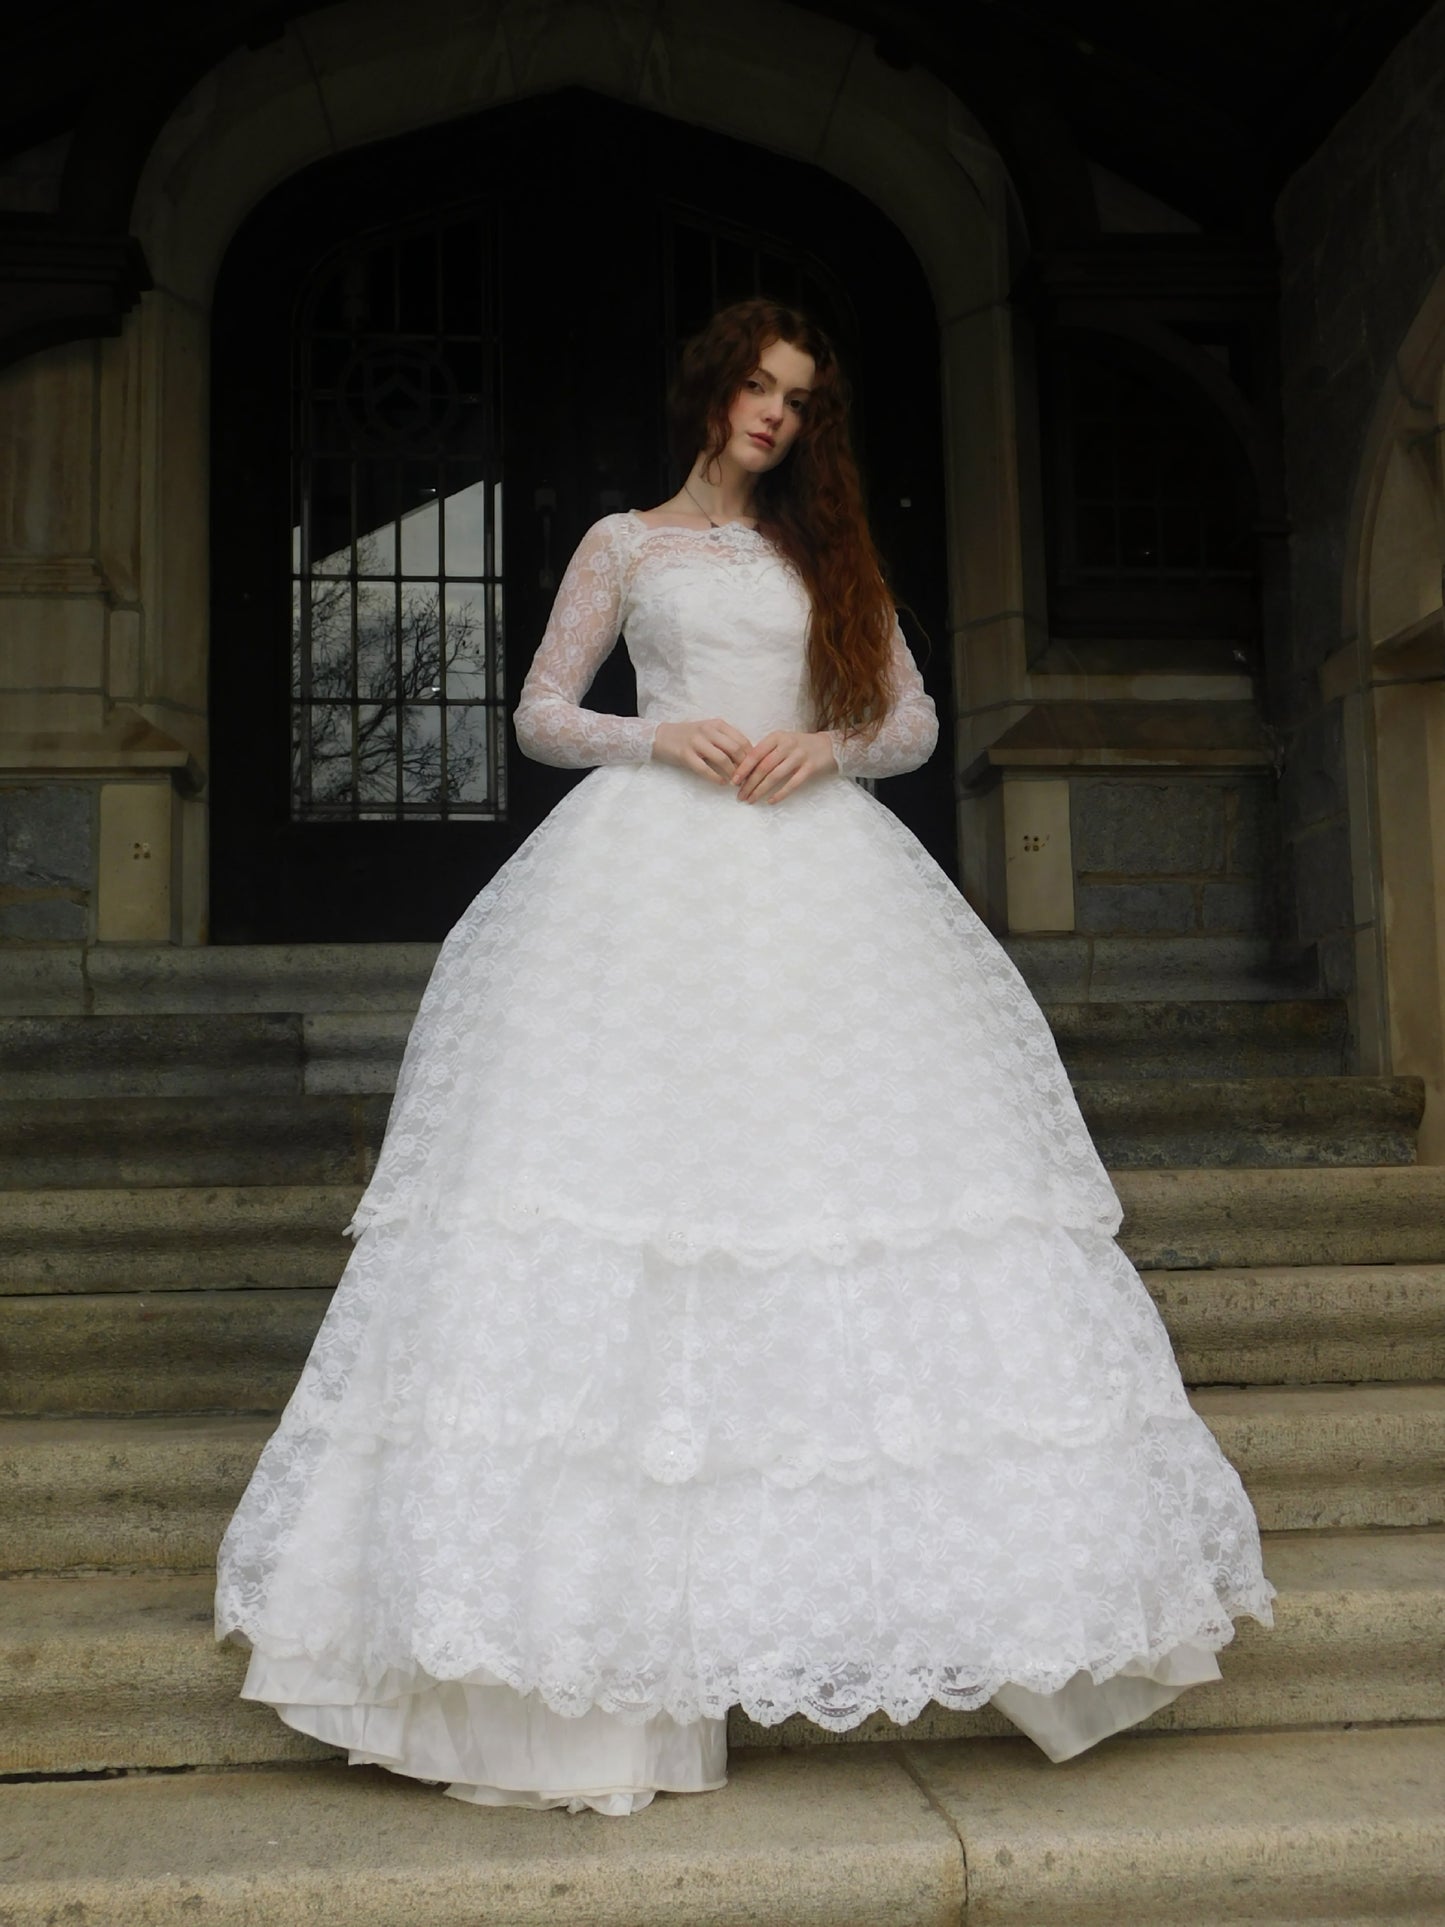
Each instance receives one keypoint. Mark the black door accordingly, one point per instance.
(436, 361)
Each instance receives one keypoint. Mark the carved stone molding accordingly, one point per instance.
(59, 284)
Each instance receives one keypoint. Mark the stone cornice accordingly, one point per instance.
(58, 283)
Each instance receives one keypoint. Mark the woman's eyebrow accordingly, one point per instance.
(768, 375)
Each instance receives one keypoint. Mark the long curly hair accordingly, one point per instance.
(810, 505)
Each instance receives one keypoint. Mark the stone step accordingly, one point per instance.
(1084, 969)
(290, 1138)
(73, 1354)
(165, 1238)
(1155, 1831)
(1304, 1324)
(236, 1053)
(144, 1141)
(123, 1671)
(155, 1493)
(1200, 1122)
(1299, 1038)
(218, 1054)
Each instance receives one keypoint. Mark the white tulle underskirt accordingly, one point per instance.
(492, 1746)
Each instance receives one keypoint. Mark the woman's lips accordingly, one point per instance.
(766, 440)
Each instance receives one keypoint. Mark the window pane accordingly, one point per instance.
(468, 755)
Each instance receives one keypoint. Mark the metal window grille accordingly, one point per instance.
(397, 689)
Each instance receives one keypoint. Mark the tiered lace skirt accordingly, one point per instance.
(735, 1318)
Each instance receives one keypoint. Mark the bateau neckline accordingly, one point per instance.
(666, 528)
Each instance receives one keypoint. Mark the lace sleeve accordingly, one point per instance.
(580, 634)
(906, 736)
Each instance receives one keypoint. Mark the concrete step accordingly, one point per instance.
(1297, 1038)
(162, 1238)
(156, 1493)
(1111, 970)
(144, 979)
(123, 1671)
(1153, 1831)
(1199, 1122)
(236, 1053)
(1199, 1220)
(169, 1238)
(217, 1054)
(142, 1141)
(287, 1137)
(124, 1352)
(1304, 1324)
(73, 1354)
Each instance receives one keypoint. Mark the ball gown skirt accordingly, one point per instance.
(735, 1318)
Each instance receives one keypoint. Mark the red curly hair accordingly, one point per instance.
(810, 505)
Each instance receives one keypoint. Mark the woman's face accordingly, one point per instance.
(767, 412)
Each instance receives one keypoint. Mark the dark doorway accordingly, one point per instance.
(437, 360)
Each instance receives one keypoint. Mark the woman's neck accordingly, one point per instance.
(724, 496)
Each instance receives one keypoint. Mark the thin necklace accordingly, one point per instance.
(716, 525)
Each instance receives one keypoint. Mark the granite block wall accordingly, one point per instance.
(1174, 856)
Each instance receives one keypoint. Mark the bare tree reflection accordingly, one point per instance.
(392, 750)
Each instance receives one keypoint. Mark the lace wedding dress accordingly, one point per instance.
(735, 1315)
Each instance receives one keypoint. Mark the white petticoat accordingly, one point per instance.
(735, 1318)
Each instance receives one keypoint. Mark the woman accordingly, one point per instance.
(735, 1314)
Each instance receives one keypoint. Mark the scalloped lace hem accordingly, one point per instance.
(687, 1242)
(836, 1698)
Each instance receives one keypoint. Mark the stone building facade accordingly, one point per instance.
(1237, 786)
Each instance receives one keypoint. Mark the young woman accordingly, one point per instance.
(735, 1315)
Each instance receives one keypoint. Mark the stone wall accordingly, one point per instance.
(1361, 229)
(1173, 856)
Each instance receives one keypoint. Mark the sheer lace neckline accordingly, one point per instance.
(660, 528)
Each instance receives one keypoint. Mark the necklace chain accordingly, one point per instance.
(715, 524)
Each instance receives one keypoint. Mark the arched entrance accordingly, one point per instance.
(1392, 679)
(435, 360)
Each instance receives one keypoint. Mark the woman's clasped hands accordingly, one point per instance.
(762, 772)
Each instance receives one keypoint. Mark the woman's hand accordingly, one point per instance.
(712, 748)
(782, 761)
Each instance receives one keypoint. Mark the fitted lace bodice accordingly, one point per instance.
(716, 624)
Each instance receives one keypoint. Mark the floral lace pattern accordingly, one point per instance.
(735, 1315)
(674, 590)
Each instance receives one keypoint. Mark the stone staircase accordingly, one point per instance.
(184, 1135)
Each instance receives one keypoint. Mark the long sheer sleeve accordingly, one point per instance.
(581, 633)
(908, 734)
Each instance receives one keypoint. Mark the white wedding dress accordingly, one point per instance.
(735, 1315)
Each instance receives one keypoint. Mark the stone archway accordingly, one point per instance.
(765, 72)
(1392, 678)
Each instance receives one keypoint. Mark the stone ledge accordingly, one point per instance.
(1163, 1830)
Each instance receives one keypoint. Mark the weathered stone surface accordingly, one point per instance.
(1305, 1038)
(1323, 884)
(824, 1841)
(1144, 827)
(233, 1140)
(210, 978)
(1135, 908)
(179, 1351)
(36, 980)
(1228, 1828)
(1203, 1122)
(45, 836)
(171, 1056)
(1243, 908)
(191, 1237)
(43, 920)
